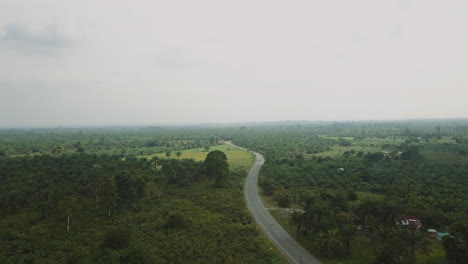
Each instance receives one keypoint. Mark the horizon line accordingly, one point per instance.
(192, 124)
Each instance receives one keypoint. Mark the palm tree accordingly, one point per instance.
(367, 211)
(347, 229)
(416, 241)
(381, 233)
(297, 220)
(155, 161)
(330, 240)
(390, 212)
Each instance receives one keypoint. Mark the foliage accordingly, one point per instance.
(407, 168)
(117, 238)
(456, 244)
(217, 167)
(122, 209)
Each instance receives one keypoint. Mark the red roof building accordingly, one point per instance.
(411, 222)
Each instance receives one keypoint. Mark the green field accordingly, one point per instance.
(238, 159)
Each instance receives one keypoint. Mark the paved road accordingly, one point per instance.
(282, 240)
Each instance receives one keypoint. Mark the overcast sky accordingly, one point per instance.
(148, 62)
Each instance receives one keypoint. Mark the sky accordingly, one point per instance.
(113, 62)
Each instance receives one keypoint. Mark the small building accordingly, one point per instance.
(433, 234)
(441, 235)
(411, 222)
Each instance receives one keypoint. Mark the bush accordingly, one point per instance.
(175, 221)
(283, 201)
(117, 238)
(352, 195)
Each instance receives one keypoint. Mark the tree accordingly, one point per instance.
(181, 172)
(330, 240)
(217, 167)
(117, 238)
(382, 233)
(351, 195)
(297, 220)
(367, 210)
(79, 147)
(156, 161)
(69, 205)
(109, 195)
(411, 153)
(124, 187)
(175, 221)
(139, 187)
(268, 186)
(415, 240)
(97, 182)
(282, 200)
(347, 229)
(390, 212)
(456, 245)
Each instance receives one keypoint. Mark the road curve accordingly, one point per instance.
(282, 240)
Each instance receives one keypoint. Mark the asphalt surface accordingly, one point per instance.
(282, 240)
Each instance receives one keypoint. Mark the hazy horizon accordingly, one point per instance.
(229, 124)
(112, 63)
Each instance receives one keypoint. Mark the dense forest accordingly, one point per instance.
(347, 185)
(95, 201)
(171, 195)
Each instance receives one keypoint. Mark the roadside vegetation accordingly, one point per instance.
(97, 201)
(175, 195)
(341, 188)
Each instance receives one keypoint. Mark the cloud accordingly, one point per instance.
(174, 59)
(46, 42)
(396, 32)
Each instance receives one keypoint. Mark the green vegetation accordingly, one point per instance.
(85, 206)
(217, 167)
(352, 182)
(237, 158)
(167, 195)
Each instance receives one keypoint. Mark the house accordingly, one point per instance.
(411, 222)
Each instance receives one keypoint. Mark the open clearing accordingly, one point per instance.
(238, 159)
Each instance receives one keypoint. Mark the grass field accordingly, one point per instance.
(237, 158)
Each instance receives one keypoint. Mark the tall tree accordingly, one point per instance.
(297, 220)
(330, 240)
(109, 195)
(97, 182)
(456, 245)
(124, 187)
(69, 205)
(217, 167)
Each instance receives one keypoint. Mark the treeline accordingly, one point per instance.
(87, 208)
(111, 141)
(276, 143)
(43, 182)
